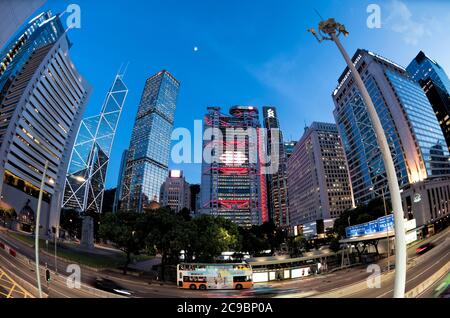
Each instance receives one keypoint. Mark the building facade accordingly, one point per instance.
(427, 201)
(289, 148)
(148, 156)
(232, 186)
(42, 102)
(86, 176)
(277, 190)
(318, 180)
(195, 198)
(175, 192)
(436, 84)
(412, 130)
(119, 189)
(13, 15)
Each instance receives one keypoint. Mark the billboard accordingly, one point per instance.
(383, 224)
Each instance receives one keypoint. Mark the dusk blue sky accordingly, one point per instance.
(250, 52)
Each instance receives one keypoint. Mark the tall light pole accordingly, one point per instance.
(330, 30)
(387, 230)
(36, 230)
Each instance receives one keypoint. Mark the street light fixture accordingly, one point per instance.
(331, 30)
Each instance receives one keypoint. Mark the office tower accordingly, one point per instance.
(408, 119)
(289, 148)
(436, 84)
(232, 186)
(148, 157)
(118, 195)
(40, 31)
(195, 197)
(12, 16)
(422, 67)
(440, 100)
(85, 180)
(41, 106)
(277, 182)
(318, 180)
(175, 192)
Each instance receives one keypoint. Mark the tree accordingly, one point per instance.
(361, 214)
(213, 235)
(8, 215)
(185, 213)
(71, 222)
(297, 245)
(108, 200)
(163, 232)
(121, 229)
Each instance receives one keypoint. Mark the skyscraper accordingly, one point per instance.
(175, 192)
(194, 189)
(85, 181)
(289, 147)
(422, 67)
(318, 180)
(41, 104)
(412, 130)
(436, 84)
(148, 157)
(118, 195)
(13, 14)
(277, 182)
(232, 186)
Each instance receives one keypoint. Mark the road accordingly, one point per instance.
(429, 263)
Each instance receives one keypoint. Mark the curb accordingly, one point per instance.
(25, 285)
(429, 282)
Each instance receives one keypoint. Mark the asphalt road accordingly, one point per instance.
(418, 271)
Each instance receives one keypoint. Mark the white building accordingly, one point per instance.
(175, 192)
(318, 181)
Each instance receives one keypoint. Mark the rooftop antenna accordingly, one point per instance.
(122, 70)
(320, 16)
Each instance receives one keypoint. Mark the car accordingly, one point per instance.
(111, 286)
(424, 248)
(443, 289)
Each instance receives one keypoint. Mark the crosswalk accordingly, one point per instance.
(10, 289)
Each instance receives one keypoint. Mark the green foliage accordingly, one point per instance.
(297, 245)
(335, 246)
(71, 222)
(213, 235)
(259, 238)
(361, 214)
(121, 229)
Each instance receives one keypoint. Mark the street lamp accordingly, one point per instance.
(330, 30)
(36, 231)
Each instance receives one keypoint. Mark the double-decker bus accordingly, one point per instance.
(214, 276)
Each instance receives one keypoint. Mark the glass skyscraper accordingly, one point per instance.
(423, 67)
(85, 181)
(277, 190)
(41, 104)
(408, 120)
(13, 14)
(42, 30)
(436, 84)
(232, 185)
(148, 156)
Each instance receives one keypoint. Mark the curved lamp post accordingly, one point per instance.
(330, 30)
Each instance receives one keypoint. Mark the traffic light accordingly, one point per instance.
(47, 275)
